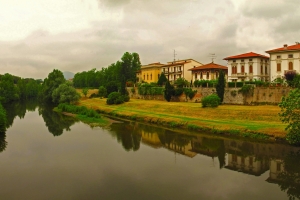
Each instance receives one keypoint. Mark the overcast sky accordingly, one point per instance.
(37, 36)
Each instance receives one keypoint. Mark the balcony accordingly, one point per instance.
(289, 71)
(243, 74)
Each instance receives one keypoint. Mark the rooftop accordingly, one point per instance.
(286, 48)
(209, 66)
(246, 55)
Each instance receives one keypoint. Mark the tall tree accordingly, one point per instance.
(54, 79)
(162, 79)
(220, 87)
(169, 91)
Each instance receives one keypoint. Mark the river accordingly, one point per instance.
(45, 155)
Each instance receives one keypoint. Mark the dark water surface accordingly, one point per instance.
(48, 156)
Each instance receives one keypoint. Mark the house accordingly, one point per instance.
(208, 72)
(150, 73)
(247, 67)
(179, 69)
(284, 59)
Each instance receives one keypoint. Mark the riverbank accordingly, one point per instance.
(247, 121)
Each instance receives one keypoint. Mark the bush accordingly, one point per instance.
(117, 98)
(81, 110)
(246, 90)
(211, 101)
(178, 91)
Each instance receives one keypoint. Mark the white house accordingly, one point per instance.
(247, 67)
(179, 69)
(284, 59)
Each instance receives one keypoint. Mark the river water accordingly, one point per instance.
(45, 155)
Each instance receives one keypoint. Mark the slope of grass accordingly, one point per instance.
(261, 119)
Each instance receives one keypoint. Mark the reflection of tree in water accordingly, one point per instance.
(56, 122)
(127, 135)
(289, 178)
(3, 143)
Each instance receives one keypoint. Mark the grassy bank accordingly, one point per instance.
(247, 121)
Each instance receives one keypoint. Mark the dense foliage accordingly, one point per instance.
(114, 77)
(162, 79)
(169, 91)
(181, 82)
(65, 93)
(102, 92)
(290, 114)
(81, 110)
(220, 86)
(150, 89)
(205, 83)
(54, 79)
(211, 101)
(117, 98)
(2, 119)
(189, 93)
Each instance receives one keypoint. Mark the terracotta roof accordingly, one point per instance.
(246, 55)
(209, 66)
(178, 63)
(286, 48)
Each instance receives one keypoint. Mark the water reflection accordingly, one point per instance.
(251, 158)
(56, 122)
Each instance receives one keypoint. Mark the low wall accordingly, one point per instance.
(261, 95)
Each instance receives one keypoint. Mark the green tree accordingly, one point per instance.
(54, 79)
(65, 93)
(169, 91)
(220, 87)
(85, 91)
(290, 114)
(2, 119)
(162, 79)
(212, 100)
(181, 82)
(102, 92)
(8, 90)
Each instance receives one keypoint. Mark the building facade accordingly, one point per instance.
(150, 73)
(284, 59)
(180, 69)
(248, 67)
(208, 72)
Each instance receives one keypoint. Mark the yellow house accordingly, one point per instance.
(151, 72)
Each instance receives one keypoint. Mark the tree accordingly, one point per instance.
(169, 91)
(2, 119)
(212, 100)
(220, 87)
(8, 90)
(54, 79)
(290, 114)
(85, 91)
(162, 79)
(102, 92)
(181, 82)
(65, 93)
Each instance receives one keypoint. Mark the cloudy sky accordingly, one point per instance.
(37, 36)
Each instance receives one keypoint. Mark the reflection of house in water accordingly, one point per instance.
(276, 167)
(181, 149)
(248, 165)
(151, 139)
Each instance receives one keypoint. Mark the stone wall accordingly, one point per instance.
(261, 95)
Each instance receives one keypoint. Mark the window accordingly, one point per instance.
(234, 71)
(174, 77)
(242, 60)
(279, 67)
(266, 70)
(250, 69)
(150, 76)
(278, 57)
(147, 76)
(261, 69)
(207, 75)
(290, 66)
(290, 55)
(250, 59)
(278, 167)
(201, 75)
(174, 69)
(144, 77)
(243, 69)
(195, 76)
(234, 61)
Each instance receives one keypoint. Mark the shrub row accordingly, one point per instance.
(117, 98)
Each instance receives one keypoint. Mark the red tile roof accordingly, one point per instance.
(246, 55)
(178, 63)
(209, 66)
(287, 48)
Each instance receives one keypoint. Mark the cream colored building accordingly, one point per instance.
(180, 69)
(284, 59)
(209, 71)
(247, 67)
(150, 73)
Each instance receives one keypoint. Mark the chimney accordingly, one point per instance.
(285, 46)
(297, 43)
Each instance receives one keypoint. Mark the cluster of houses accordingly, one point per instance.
(243, 67)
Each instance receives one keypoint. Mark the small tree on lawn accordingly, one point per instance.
(102, 92)
(169, 91)
(220, 87)
(85, 91)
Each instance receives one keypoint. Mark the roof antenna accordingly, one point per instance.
(212, 56)
(175, 55)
